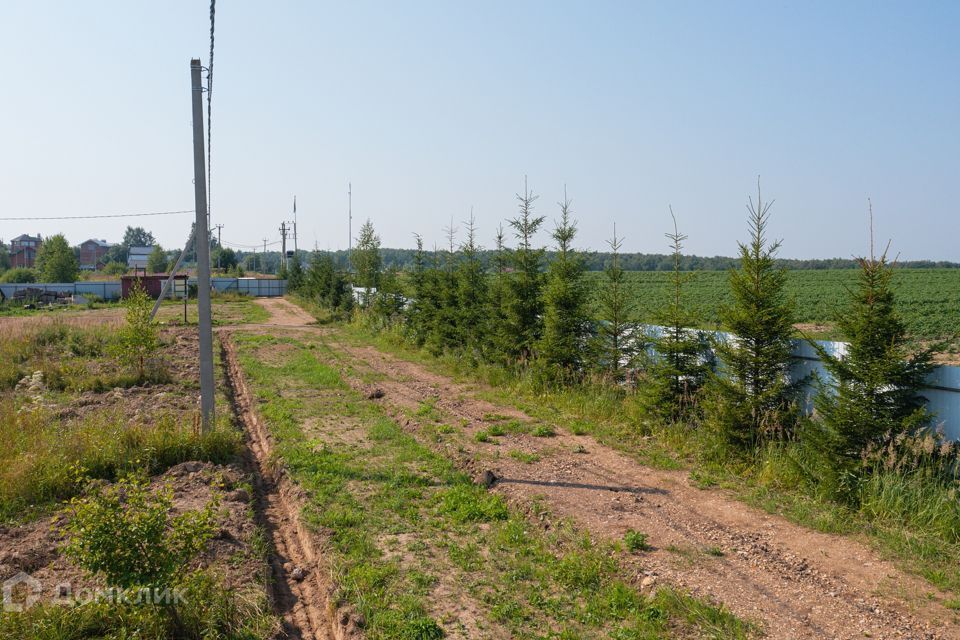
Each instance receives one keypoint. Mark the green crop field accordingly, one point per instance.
(929, 298)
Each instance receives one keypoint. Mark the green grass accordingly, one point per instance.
(215, 612)
(392, 495)
(45, 460)
(522, 456)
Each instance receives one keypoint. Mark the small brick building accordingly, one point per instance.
(93, 254)
(23, 251)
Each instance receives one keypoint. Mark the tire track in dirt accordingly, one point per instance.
(800, 583)
(302, 589)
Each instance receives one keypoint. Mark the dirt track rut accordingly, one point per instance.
(302, 590)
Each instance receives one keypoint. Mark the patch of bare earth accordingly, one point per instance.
(35, 547)
(796, 582)
(284, 313)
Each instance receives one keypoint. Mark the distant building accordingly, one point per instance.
(138, 256)
(23, 251)
(92, 254)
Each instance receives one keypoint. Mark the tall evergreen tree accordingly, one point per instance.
(295, 274)
(753, 395)
(616, 345)
(472, 292)
(681, 364)
(389, 300)
(874, 393)
(565, 303)
(524, 309)
(366, 260)
(319, 278)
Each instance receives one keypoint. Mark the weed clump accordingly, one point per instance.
(635, 541)
(470, 503)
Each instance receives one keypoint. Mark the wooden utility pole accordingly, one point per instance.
(201, 240)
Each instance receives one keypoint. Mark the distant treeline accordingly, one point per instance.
(598, 260)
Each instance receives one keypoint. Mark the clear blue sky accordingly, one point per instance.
(431, 108)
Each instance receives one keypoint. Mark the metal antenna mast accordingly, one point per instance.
(295, 249)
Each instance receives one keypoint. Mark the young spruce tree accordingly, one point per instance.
(873, 396)
(420, 311)
(565, 304)
(366, 260)
(753, 395)
(615, 347)
(447, 331)
(682, 363)
(498, 339)
(472, 292)
(295, 274)
(524, 309)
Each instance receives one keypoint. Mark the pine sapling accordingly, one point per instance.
(753, 397)
(565, 303)
(873, 396)
(616, 343)
(682, 359)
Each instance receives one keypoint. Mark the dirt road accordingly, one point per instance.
(795, 582)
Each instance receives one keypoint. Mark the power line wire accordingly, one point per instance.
(250, 246)
(213, 4)
(110, 215)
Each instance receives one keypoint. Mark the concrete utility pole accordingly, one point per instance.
(201, 240)
(350, 215)
(283, 240)
(264, 253)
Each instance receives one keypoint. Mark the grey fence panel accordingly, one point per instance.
(224, 284)
(107, 289)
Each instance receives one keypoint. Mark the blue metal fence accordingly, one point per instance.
(110, 289)
(942, 389)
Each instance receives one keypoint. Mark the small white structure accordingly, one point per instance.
(138, 256)
(363, 296)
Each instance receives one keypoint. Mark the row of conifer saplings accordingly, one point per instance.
(541, 319)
